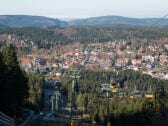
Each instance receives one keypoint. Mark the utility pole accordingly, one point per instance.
(106, 89)
(107, 104)
(55, 99)
(74, 74)
(52, 104)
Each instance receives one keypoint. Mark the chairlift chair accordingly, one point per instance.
(149, 94)
(135, 94)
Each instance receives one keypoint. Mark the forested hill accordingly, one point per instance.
(33, 21)
(40, 21)
(120, 20)
(50, 37)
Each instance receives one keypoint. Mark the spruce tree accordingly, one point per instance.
(14, 82)
(2, 81)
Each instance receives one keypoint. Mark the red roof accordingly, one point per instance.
(68, 54)
(119, 52)
(26, 62)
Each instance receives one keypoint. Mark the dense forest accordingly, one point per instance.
(104, 33)
(90, 81)
(17, 88)
(123, 110)
(42, 38)
(53, 36)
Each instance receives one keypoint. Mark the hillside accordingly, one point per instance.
(106, 20)
(33, 21)
(50, 37)
(43, 22)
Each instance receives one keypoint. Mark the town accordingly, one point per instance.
(112, 55)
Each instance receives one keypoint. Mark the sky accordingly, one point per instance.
(85, 8)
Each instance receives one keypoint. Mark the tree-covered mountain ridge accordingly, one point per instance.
(106, 20)
(29, 21)
(40, 21)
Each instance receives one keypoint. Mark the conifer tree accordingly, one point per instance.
(14, 82)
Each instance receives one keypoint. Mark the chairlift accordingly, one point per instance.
(135, 94)
(105, 88)
(114, 87)
(58, 73)
(149, 94)
(131, 96)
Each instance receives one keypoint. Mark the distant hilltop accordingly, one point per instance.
(29, 21)
(40, 21)
(113, 20)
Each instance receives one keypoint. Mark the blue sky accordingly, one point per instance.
(85, 8)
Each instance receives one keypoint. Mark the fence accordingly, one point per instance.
(6, 120)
